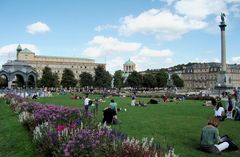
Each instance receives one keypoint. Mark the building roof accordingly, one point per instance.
(16, 65)
(19, 48)
(129, 62)
(26, 51)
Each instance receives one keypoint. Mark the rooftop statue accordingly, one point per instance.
(223, 17)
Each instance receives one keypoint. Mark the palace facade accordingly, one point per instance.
(56, 63)
(204, 75)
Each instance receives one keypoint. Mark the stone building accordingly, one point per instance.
(56, 63)
(128, 67)
(204, 75)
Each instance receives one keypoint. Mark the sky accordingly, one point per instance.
(154, 34)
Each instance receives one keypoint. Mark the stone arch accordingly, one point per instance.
(31, 80)
(14, 70)
(4, 77)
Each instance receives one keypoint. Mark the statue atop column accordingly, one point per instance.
(223, 17)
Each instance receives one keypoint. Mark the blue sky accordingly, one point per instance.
(152, 33)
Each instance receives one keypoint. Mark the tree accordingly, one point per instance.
(68, 79)
(161, 78)
(103, 78)
(47, 78)
(134, 80)
(56, 82)
(178, 82)
(149, 81)
(118, 79)
(86, 79)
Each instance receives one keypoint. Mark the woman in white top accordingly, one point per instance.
(219, 111)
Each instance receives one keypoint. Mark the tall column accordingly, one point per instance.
(223, 46)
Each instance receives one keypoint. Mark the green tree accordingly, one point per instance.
(178, 82)
(68, 79)
(134, 80)
(149, 81)
(86, 79)
(47, 78)
(161, 78)
(118, 79)
(56, 82)
(103, 78)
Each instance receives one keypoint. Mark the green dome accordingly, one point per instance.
(129, 62)
(19, 48)
(26, 50)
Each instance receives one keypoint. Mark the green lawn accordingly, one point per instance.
(15, 140)
(168, 123)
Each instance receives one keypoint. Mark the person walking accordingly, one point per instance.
(86, 103)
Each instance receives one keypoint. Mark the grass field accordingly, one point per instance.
(173, 123)
(15, 141)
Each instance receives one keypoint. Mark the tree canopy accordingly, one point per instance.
(161, 78)
(118, 79)
(149, 81)
(134, 80)
(178, 82)
(102, 78)
(68, 79)
(47, 79)
(86, 79)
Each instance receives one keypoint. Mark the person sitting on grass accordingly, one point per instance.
(211, 141)
(141, 104)
(219, 112)
(110, 116)
(113, 105)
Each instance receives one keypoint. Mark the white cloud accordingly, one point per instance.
(8, 52)
(236, 59)
(150, 58)
(162, 23)
(200, 9)
(146, 52)
(38, 27)
(100, 28)
(235, 9)
(115, 64)
(101, 46)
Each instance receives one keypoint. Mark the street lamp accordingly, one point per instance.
(219, 86)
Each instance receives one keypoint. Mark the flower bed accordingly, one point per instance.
(69, 132)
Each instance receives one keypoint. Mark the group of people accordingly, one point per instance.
(232, 110)
(210, 139)
(109, 113)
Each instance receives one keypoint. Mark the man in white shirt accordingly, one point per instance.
(86, 103)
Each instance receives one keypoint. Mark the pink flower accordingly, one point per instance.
(60, 128)
(73, 125)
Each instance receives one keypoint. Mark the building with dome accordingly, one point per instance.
(56, 63)
(128, 67)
